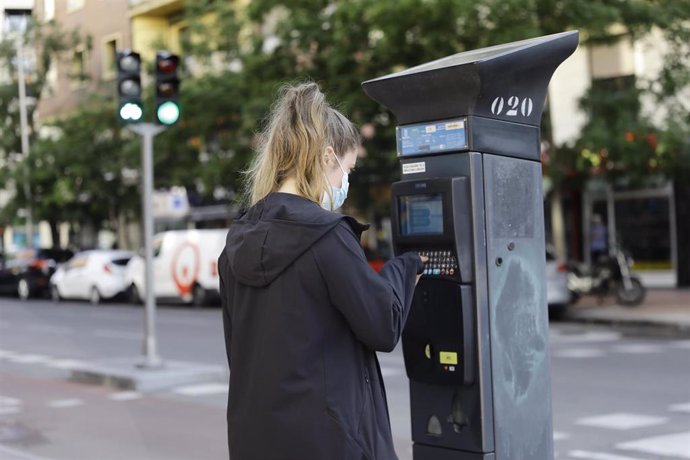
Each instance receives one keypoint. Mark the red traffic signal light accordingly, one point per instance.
(167, 88)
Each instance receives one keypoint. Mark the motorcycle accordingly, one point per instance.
(610, 275)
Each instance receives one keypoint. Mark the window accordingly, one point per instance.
(110, 46)
(16, 21)
(611, 95)
(52, 77)
(611, 60)
(79, 66)
(48, 10)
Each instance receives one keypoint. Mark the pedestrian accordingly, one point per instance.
(303, 312)
(598, 239)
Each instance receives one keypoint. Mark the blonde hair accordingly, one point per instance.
(301, 125)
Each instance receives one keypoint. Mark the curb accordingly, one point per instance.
(126, 374)
(645, 328)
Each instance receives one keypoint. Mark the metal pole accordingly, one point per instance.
(148, 131)
(23, 120)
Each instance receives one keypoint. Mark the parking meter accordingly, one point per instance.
(475, 343)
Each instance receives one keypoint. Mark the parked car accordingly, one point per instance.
(93, 275)
(27, 273)
(184, 267)
(558, 295)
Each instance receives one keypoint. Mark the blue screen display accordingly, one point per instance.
(421, 214)
(434, 137)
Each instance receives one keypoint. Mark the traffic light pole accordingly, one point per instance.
(148, 131)
(23, 119)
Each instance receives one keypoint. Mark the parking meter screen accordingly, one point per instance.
(421, 214)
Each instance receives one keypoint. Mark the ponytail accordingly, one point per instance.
(301, 125)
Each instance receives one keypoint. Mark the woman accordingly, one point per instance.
(303, 312)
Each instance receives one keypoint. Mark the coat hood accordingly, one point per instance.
(274, 232)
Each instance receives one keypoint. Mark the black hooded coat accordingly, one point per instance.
(303, 315)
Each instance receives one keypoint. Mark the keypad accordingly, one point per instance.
(441, 263)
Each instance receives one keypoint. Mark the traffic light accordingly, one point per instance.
(167, 88)
(129, 86)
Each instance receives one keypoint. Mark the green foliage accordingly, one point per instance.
(238, 54)
(76, 173)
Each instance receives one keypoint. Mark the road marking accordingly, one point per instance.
(10, 410)
(621, 421)
(50, 329)
(6, 354)
(66, 364)
(29, 359)
(109, 334)
(63, 403)
(671, 445)
(124, 396)
(7, 401)
(638, 348)
(557, 436)
(203, 389)
(682, 407)
(680, 344)
(18, 454)
(578, 353)
(588, 337)
(597, 455)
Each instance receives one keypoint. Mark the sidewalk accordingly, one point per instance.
(664, 312)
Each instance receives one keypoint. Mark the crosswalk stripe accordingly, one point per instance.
(621, 421)
(9, 410)
(203, 389)
(578, 353)
(7, 401)
(124, 396)
(63, 403)
(670, 445)
(682, 407)
(597, 455)
(638, 348)
(29, 358)
(66, 364)
(587, 337)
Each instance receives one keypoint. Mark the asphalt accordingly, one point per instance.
(664, 313)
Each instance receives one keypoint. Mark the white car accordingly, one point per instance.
(558, 295)
(184, 267)
(91, 275)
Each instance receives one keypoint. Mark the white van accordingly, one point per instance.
(184, 267)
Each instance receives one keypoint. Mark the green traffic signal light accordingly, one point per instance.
(131, 112)
(168, 113)
(128, 65)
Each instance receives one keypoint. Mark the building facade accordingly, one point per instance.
(90, 67)
(640, 219)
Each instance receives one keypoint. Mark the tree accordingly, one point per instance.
(47, 41)
(341, 44)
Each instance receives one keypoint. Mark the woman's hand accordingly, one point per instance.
(425, 259)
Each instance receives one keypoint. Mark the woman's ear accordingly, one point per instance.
(328, 156)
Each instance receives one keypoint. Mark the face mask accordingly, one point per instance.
(339, 194)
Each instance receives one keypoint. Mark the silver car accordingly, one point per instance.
(557, 294)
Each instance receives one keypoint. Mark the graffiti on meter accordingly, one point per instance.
(185, 267)
(512, 106)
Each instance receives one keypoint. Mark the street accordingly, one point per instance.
(614, 397)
